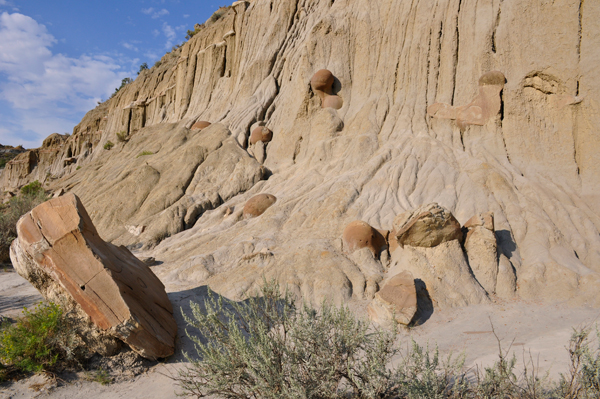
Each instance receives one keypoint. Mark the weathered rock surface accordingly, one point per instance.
(481, 248)
(533, 163)
(427, 226)
(397, 300)
(258, 204)
(443, 271)
(60, 252)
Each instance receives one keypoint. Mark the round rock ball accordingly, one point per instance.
(257, 205)
(322, 80)
(492, 78)
(333, 101)
(358, 235)
(261, 133)
(200, 125)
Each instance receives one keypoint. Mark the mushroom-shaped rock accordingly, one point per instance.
(257, 205)
(322, 81)
(114, 294)
(333, 101)
(397, 300)
(200, 125)
(427, 226)
(261, 133)
(359, 234)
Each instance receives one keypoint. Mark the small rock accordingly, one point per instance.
(200, 125)
(258, 204)
(261, 133)
(397, 300)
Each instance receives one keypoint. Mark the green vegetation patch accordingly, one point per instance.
(109, 145)
(144, 153)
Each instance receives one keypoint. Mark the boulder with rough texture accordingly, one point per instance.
(427, 226)
(397, 300)
(261, 133)
(481, 248)
(358, 235)
(258, 204)
(200, 125)
(60, 252)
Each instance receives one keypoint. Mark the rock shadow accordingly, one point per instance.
(424, 304)
(506, 244)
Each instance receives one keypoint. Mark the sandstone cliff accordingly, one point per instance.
(421, 121)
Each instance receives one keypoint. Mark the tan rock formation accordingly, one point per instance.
(258, 204)
(426, 226)
(322, 85)
(534, 163)
(358, 235)
(481, 248)
(200, 125)
(397, 300)
(443, 271)
(60, 252)
(486, 104)
(261, 133)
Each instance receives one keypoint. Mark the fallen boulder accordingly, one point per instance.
(257, 205)
(427, 226)
(115, 295)
(397, 300)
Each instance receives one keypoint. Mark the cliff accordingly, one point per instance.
(422, 120)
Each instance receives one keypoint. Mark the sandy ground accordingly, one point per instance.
(540, 330)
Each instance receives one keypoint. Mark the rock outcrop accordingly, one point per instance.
(358, 235)
(525, 147)
(60, 252)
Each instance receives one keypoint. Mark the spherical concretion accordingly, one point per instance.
(332, 101)
(322, 80)
(261, 133)
(258, 204)
(359, 234)
(492, 78)
(200, 125)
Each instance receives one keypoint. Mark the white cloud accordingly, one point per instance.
(46, 92)
(154, 14)
(186, 15)
(170, 35)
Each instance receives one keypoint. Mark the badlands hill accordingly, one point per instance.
(478, 106)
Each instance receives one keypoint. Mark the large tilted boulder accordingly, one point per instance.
(427, 226)
(115, 295)
(397, 300)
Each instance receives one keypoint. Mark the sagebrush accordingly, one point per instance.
(267, 347)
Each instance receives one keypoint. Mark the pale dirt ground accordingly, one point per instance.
(543, 330)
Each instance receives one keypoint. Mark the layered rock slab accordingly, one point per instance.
(60, 252)
(397, 300)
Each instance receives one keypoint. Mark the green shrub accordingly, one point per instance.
(42, 339)
(144, 153)
(266, 347)
(10, 214)
(109, 145)
(32, 189)
(77, 168)
(122, 136)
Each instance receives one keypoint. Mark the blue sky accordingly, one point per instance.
(59, 58)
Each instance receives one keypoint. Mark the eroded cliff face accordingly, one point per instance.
(420, 122)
